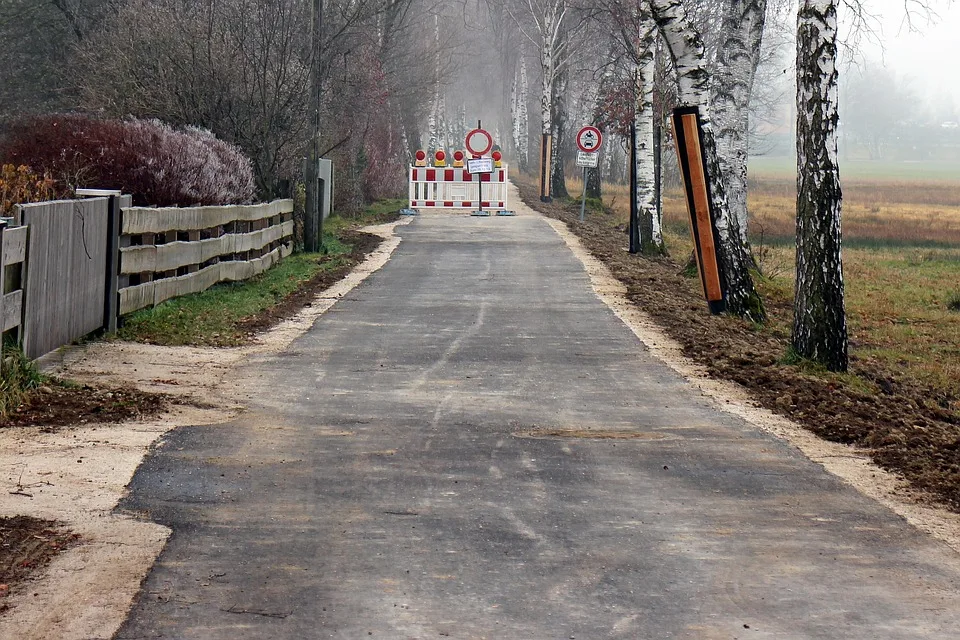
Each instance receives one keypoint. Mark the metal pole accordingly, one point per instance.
(583, 198)
(480, 179)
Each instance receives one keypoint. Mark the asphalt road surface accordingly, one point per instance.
(471, 445)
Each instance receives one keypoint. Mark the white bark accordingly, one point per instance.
(819, 327)
(651, 236)
(434, 124)
(738, 55)
(523, 119)
(688, 55)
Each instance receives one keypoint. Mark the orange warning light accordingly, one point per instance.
(439, 159)
(421, 159)
(497, 157)
(458, 159)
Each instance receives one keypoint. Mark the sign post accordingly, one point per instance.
(589, 140)
(479, 142)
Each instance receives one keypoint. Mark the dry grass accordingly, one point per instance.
(901, 261)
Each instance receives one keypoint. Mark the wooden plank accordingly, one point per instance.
(14, 245)
(138, 220)
(166, 257)
(12, 310)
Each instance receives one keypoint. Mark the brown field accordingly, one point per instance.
(901, 265)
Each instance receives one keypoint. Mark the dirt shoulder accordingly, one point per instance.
(67, 475)
(902, 427)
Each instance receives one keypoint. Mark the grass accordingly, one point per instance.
(18, 376)
(901, 231)
(213, 317)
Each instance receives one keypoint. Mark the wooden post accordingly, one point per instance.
(111, 296)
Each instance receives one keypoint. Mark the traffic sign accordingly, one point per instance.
(589, 139)
(480, 165)
(591, 160)
(479, 142)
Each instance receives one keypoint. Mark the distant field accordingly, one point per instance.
(901, 229)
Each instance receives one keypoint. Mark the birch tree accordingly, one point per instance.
(546, 17)
(738, 55)
(519, 117)
(819, 318)
(687, 53)
(648, 214)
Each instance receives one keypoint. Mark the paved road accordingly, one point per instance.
(396, 478)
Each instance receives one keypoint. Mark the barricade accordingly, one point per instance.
(453, 188)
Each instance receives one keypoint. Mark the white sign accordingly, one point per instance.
(480, 165)
(591, 160)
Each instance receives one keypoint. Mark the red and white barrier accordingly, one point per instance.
(454, 188)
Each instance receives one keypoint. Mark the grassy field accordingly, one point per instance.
(901, 230)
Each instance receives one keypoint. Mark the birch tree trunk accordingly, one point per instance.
(558, 107)
(523, 120)
(648, 218)
(433, 121)
(819, 318)
(738, 55)
(687, 53)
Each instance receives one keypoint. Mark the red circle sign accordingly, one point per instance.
(589, 139)
(479, 142)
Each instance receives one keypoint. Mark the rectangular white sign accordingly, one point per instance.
(480, 165)
(591, 160)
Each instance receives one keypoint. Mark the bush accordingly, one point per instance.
(953, 300)
(19, 185)
(152, 161)
(18, 376)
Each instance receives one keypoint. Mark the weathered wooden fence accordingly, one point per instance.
(166, 253)
(13, 252)
(66, 265)
(87, 262)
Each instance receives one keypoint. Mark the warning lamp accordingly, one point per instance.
(421, 159)
(458, 159)
(439, 159)
(497, 157)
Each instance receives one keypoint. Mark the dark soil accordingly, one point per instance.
(362, 243)
(908, 428)
(27, 545)
(57, 404)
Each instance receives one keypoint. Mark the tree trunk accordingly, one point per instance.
(523, 121)
(737, 58)
(687, 52)
(558, 106)
(819, 319)
(648, 219)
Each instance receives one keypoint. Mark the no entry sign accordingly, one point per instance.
(589, 139)
(479, 142)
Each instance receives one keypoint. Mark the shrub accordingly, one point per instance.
(953, 300)
(19, 185)
(152, 161)
(18, 376)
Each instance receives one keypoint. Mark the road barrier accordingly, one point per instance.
(454, 188)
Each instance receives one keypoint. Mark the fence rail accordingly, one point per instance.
(165, 253)
(13, 254)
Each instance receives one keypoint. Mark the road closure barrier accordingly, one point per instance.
(455, 188)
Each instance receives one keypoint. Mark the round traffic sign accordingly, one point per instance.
(479, 142)
(589, 139)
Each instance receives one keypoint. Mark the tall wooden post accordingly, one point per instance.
(312, 219)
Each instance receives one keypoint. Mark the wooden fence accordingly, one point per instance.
(84, 263)
(13, 252)
(66, 267)
(166, 253)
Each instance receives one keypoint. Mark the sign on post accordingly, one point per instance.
(479, 142)
(589, 140)
(480, 165)
(588, 160)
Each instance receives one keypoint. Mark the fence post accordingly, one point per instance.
(111, 297)
(3, 284)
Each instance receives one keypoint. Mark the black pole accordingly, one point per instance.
(634, 221)
(480, 179)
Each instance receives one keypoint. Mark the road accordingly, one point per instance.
(471, 445)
